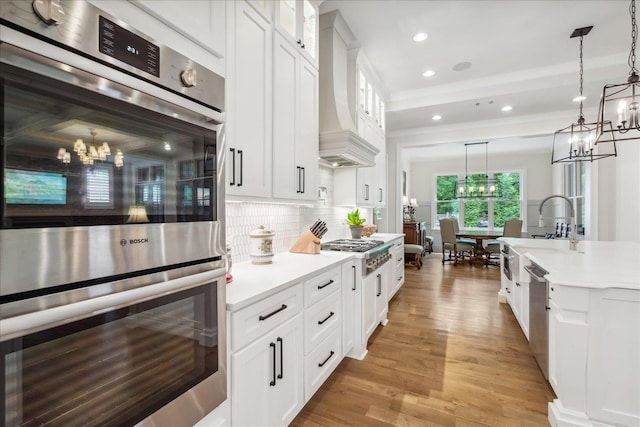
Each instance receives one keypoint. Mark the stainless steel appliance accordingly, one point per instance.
(374, 253)
(506, 261)
(111, 222)
(539, 316)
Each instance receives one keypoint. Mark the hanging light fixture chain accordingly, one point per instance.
(634, 36)
(581, 76)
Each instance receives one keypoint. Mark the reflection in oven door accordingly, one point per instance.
(89, 178)
(118, 365)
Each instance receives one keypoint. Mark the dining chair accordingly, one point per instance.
(449, 242)
(512, 228)
(456, 228)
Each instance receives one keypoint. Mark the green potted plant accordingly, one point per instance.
(355, 224)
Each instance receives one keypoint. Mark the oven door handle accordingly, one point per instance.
(26, 324)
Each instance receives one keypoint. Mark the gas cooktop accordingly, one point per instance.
(351, 245)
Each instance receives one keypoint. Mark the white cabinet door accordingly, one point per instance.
(249, 124)
(201, 21)
(266, 378)
(287, 176)
(382, 297)
(295, 123)
(369, 315)
(396, 276)
(379, 180)
(307, 122)
(297, 20)
(349, 309)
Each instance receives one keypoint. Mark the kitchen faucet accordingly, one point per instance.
(573, 243)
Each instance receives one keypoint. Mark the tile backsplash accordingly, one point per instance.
(287, 221)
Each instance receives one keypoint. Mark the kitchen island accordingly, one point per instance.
(593, 328)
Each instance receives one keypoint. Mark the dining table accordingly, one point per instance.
(479, 236)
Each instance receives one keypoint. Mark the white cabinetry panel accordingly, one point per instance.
(249, 125)
(201, 21)
(295, 123)
(267, 378)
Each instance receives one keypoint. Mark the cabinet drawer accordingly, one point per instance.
(256, 320)
(322, 285)
(321, 362)
(399, 274)
(321, 319)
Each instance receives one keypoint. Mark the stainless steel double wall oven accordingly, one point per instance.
(112, 303)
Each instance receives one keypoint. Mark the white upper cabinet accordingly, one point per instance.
(295, 123)
(249, 104)
(201, 21)
(298, 21)
(370, 108)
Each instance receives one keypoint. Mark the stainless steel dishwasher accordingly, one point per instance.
(539, 316)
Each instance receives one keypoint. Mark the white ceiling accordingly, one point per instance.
(520, 54)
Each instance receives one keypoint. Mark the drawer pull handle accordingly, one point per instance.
(320, 322)
(325, 285)
(320, 365)
(354, 277)
(273, 381)
(281, 357)
(272, 313)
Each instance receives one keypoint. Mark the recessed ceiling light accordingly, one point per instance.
(167, 146)
(420, 37)
(507, 108)
(436, 117)
(579, 98)
(428, 73)
(462, 66)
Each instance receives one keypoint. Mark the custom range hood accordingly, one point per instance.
(340, 143)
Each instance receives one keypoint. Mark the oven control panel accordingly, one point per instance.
(84, 29)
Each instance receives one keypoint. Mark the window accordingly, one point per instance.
(98, 181)
(575, 179)
(480, 213)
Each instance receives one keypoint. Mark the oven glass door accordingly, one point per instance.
(74, 157)
(112, 369)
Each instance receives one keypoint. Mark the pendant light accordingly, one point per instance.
(619, 102)
(477, 187)
(580, 136)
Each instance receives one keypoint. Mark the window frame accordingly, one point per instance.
(571, 177)
(88, 170)
(490, 201)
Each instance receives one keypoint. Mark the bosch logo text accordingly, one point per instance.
(136, 241)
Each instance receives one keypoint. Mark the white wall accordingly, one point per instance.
(537, 167)
(618, 194)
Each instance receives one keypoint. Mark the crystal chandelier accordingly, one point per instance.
(476, 186)
(89, 154)
(580, 136)
(619, 102)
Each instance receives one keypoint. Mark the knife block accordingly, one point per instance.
(306, 244)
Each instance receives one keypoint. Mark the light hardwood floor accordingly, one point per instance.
(451, 355)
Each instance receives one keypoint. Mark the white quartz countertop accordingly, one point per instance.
(253, 282)
(594, 265)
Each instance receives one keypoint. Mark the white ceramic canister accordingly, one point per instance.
(261, 245)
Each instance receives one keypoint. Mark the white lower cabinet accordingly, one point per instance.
(350, 297)
(374, 287)
(396, 276)
(285, 346)
(267, 382)
(321, 362)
